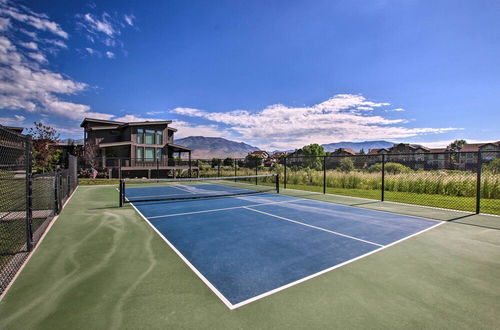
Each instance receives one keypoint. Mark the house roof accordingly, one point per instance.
(376, 151)
(102, 121)
(437, 150)
(15, 129)
(123, 124)
(259, 152)
(475, 146)
(348, 150)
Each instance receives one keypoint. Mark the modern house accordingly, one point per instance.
(136, 149)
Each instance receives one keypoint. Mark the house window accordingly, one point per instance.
(159, 137)
(139, 153)
(158, 153)
(149, 137)
(150, 154)
(140, 135)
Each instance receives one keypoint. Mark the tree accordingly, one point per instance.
(493, 166)
(346, 165)
(456, 145)
(216, 162)
(45, 151)
(253, 160)
(90, 153)
(228, 162)
(312, 156)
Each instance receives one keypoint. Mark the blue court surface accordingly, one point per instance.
(247, 247)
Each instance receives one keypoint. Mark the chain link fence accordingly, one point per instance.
(467, 181)
(27, 201)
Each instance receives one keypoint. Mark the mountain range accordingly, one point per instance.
(210, 147)
(357, 146)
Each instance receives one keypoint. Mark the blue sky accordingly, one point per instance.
(276, 74)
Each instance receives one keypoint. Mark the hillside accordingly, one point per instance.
(210, 147)
(357, 146)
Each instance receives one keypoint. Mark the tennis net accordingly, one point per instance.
(150, 190)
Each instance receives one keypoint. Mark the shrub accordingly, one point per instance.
(346, 165)
(391, 168)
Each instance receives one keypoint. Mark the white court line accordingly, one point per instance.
(216, 210)
(315, 227)
(265, 294)
(186, 261)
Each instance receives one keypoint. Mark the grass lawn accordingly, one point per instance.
(102, 267)
(490, 206)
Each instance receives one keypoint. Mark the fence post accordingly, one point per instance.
(324, 174)
(284, 174)
(158, 169)
(235, 169)
(56, 193)
(383, 178)
(278, 183)
(256, 171)
(119, 168)
(478, 183)
(29, 195)
(218, 168)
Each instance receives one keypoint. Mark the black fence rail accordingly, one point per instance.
(27, 201)
(125, 167)
(468, 181)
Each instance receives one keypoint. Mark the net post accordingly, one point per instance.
(278, 183)
(29, 195)
(383, 178)
(158, 169)
(478, 183)
(284, 177)
(120, 189)
(324, 174)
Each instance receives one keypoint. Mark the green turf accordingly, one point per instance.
(102, 267)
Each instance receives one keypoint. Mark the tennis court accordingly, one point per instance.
(101, 266)
(246, 242)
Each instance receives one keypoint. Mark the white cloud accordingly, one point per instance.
(134, 118)
(187, 129)
(30, 45)
(105, 29)
(38, 57)
(336, 119)
(395, 110)
(12, 121)
(103, 25)
(27, 84)
(26, 16)
(4, 23)
(129, 19)
(55, 42)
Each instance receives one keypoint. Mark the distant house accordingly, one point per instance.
(343, 152)
(136, 147)
(261, 153)
(415, 156)
(468, 153)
